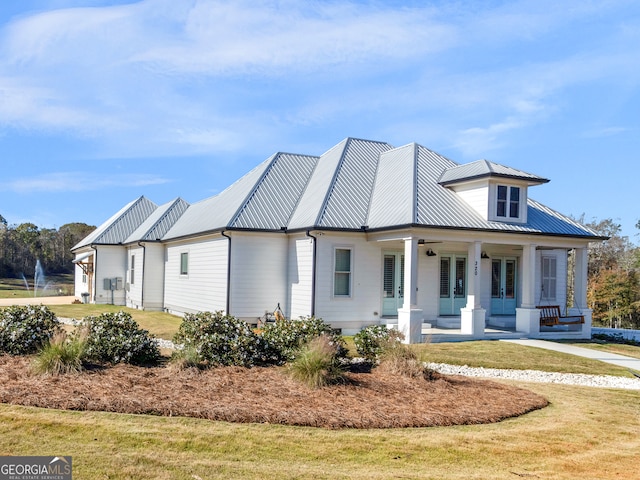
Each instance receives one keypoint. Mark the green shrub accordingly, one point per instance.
(372, 341)
(117, 338)
(186, 357)
(221, 339)
(25, 329)
(285, 337)
(317, 363)
(62, 354)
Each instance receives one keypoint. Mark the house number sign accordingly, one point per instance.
(475, 271)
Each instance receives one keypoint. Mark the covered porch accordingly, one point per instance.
(449, 289)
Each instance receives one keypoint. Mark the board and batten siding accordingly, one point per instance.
(363, 306)
(112, 264)
(258, 274)
(153, 294)
(204, 287)
(133, 285)
(300, 276)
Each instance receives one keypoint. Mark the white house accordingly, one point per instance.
(364, 234)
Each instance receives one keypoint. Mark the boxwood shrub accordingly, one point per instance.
(117, 338)
(372, 341)
(25, 329)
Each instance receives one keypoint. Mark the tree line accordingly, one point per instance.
(21, 246)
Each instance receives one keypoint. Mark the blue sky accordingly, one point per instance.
(104, 101)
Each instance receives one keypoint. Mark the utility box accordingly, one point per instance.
(107, 284)
(113, 283)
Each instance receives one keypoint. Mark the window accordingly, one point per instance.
(342, 272)
(184, 263)
(508, 202)
(549, 278)
(132, 274)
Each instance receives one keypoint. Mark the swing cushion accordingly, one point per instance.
(550, 315)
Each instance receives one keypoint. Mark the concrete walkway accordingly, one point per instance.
(7, 302)
(613, 358)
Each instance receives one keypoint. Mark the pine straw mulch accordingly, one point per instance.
(268, 395)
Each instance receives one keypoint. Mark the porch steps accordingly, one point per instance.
(502, 321)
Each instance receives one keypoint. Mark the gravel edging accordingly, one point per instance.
(536, 376)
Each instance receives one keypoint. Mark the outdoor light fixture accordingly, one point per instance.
(431, 253)
(484, 255)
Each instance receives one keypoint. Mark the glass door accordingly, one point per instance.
(453, 284)
(392, 283)
(503, 286)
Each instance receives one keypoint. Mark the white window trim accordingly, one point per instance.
(544, 295)
(132, 269)
(522, 203)
(333, 271)
(186, 274)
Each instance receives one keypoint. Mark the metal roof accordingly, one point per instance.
(483, 169)
(356, 184)
(117, 228)
(159, 222)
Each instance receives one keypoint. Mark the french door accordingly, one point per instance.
(503, 286)
(453, 284)
(392, 283)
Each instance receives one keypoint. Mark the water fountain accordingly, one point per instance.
(39, 280)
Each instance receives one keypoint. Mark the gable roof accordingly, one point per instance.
(483, 169)
(117, 229)
(159, 222)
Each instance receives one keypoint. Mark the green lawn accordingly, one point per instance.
(55, 285)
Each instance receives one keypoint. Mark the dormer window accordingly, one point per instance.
(508, 202)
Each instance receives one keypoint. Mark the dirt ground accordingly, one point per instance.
(268, 395)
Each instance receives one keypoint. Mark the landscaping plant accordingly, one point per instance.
(317, 363)
(62, 354)
(117, 338)
(372, 341)
(221, 339)
(286, 336)
(25, 329)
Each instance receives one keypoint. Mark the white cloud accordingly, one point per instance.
(79, 181)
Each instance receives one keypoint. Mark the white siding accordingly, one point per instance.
(153, 286)
(134, 283)
(258, 274)
(476, 194)
(428, 284)
(300, 276)
(364, 305)
(204, 288)
(111, 263)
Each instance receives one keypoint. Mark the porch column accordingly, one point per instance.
(410, 316)
(528, 316)
(472, 317)
(580, 291)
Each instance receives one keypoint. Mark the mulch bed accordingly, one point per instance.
(268, 395)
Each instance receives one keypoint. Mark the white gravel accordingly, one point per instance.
(602, 381)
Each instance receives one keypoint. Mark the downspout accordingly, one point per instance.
(94, 274)
(313, 273)
(144, 261)
(228, 272)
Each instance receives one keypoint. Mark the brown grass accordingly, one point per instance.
(268, 395)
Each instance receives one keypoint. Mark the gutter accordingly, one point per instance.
(95, 271)
(313, 273)
(222, 232)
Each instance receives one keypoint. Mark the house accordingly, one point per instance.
(364, 234)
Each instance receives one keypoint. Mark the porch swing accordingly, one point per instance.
(551, 315)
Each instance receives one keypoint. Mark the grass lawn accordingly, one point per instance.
(619, 348)
(55, 285)
(586, 433)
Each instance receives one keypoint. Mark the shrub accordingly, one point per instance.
(117, 338)
(317, 363)
(285, 336)
(62, 354)
(186, 357)
(372, 341)
(221, 339)
(25, 329)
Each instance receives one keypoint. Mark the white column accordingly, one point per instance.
(528, 316)
(580, 278)
(410, 317)
(472, 317)
(410, 272)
